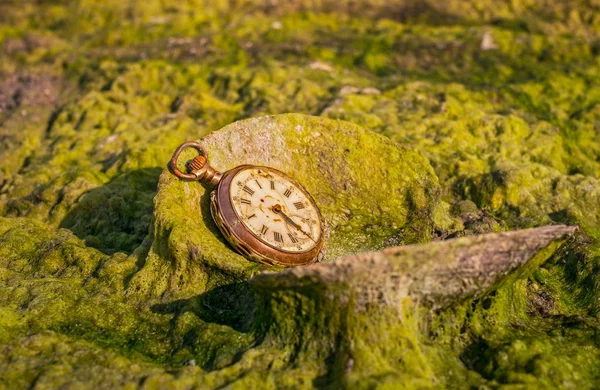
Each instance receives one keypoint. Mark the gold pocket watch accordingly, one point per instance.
(263, 213)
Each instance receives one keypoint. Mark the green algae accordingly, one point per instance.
(164, 304)
(512, 130)
(343, 166)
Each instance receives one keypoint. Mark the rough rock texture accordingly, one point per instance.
(372, 193)
(496, 100)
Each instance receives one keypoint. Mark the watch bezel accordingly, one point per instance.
(243, 239)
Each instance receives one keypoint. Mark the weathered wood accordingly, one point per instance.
(435, 274)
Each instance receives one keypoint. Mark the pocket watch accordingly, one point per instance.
(264, 214)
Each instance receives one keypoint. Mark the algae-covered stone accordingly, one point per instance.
(385, 295)
(181, 296)
(67, 319)
(95, 96)
(372, 193)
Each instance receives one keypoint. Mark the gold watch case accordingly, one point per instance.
(231, 225)
(246, 242)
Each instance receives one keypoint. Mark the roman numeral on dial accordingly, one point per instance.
(272, 185)
(292, 238)
(287, 193)
(248, 190)
(264, 230)
(299, 205)
(277, 236)
(245, 201)
(258, 184)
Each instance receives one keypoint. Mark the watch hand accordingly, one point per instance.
(277, 210)
(281, 199)
(290, 221)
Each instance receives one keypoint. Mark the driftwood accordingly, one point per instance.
(435, 274)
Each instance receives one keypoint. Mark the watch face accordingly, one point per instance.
(275, 209)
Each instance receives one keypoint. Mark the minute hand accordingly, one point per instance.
(277, 210)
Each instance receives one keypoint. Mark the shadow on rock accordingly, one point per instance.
(231, 305)
(115, 217)
(477, 356)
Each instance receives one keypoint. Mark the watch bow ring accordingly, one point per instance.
(264, 214)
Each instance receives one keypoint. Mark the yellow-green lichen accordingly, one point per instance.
(500, 96)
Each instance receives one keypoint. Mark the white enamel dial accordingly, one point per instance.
(276, 210)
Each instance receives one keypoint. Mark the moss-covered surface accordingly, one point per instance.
(496, 103)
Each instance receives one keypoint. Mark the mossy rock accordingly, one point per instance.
(372, 192)
(502, 98)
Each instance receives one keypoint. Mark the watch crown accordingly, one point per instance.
(198, 163)
(204, 172)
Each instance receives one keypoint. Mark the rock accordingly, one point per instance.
(26, 104)
(487, 42)
(317, 65)
(354, 317)
(372, 193)
(389, 295)
(96, 95)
